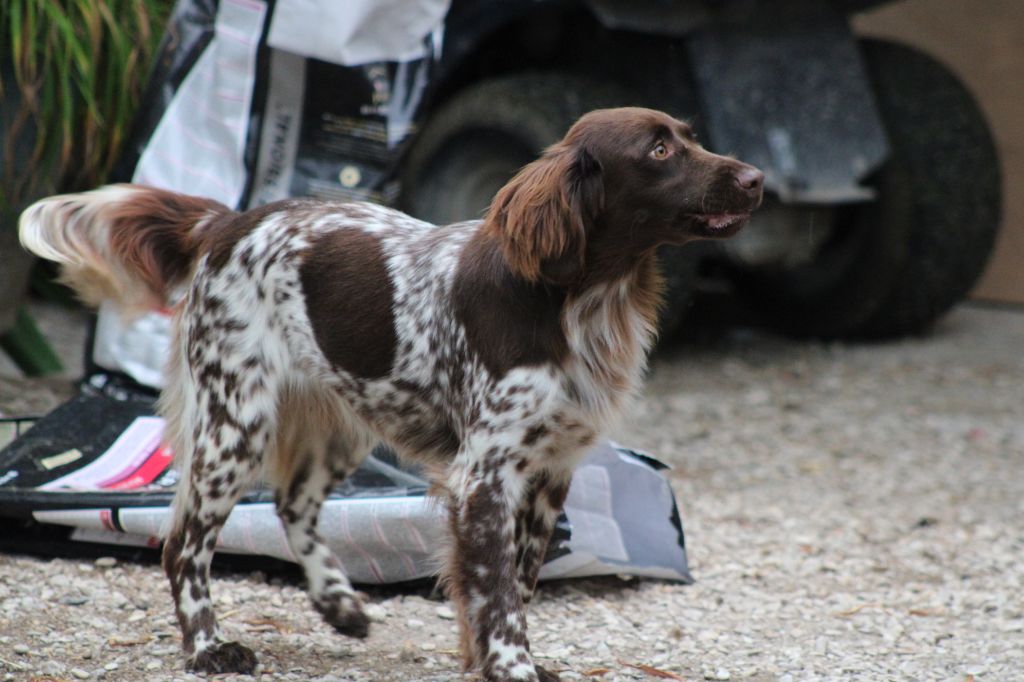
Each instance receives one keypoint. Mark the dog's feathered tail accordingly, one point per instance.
(129, 244)
(134, 246)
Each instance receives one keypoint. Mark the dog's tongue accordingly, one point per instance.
(721, 220)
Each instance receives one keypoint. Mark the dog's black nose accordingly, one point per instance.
(749, 178)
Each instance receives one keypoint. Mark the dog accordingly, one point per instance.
(493, 352)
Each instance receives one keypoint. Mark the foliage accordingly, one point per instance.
(71, 73)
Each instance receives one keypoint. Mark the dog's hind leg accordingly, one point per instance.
(226, 444)
(318, 448)
(220, 405)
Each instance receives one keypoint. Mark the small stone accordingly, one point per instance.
(428, 646)
(110, 666)
(445, 612)
(722, 674)
(758, 396)
(52, 668)
(81, 674)
(408, 653)
(105, 562)
(21, 649)
(414, 623)
(154, 665)
(375, 612)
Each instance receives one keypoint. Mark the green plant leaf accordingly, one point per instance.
(78, 67)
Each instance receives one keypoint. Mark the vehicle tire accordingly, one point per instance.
(892, 267)
(476, 141)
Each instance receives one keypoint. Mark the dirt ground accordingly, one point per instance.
(852, 512)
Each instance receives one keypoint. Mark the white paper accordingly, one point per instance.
(138, 348)
(353, 32)
(385, 539)
(199, 145)
(589, 508)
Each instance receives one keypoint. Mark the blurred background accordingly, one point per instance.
(980, 42)
(890, 131)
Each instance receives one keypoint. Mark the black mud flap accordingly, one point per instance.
(785, 88)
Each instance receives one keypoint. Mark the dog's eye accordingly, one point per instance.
(660, 151)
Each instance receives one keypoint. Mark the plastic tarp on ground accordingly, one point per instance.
(97, 465)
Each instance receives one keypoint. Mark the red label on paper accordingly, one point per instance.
(155, 465)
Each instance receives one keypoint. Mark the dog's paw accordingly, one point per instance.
(520, 673)
(344, 614)
(224, 657)
(544, 675)
(351, 624)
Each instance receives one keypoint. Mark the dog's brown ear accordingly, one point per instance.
(541, 215)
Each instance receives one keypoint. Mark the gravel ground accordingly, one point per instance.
(852, 512)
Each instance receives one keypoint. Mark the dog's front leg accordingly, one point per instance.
(486, 490)
(535, 520)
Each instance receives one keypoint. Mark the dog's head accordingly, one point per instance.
(620, 183)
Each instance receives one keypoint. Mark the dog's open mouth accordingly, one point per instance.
(720, 224)
(720, 221)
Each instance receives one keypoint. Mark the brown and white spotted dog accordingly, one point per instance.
(494, 351)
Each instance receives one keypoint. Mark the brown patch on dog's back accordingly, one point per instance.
(349, 299)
